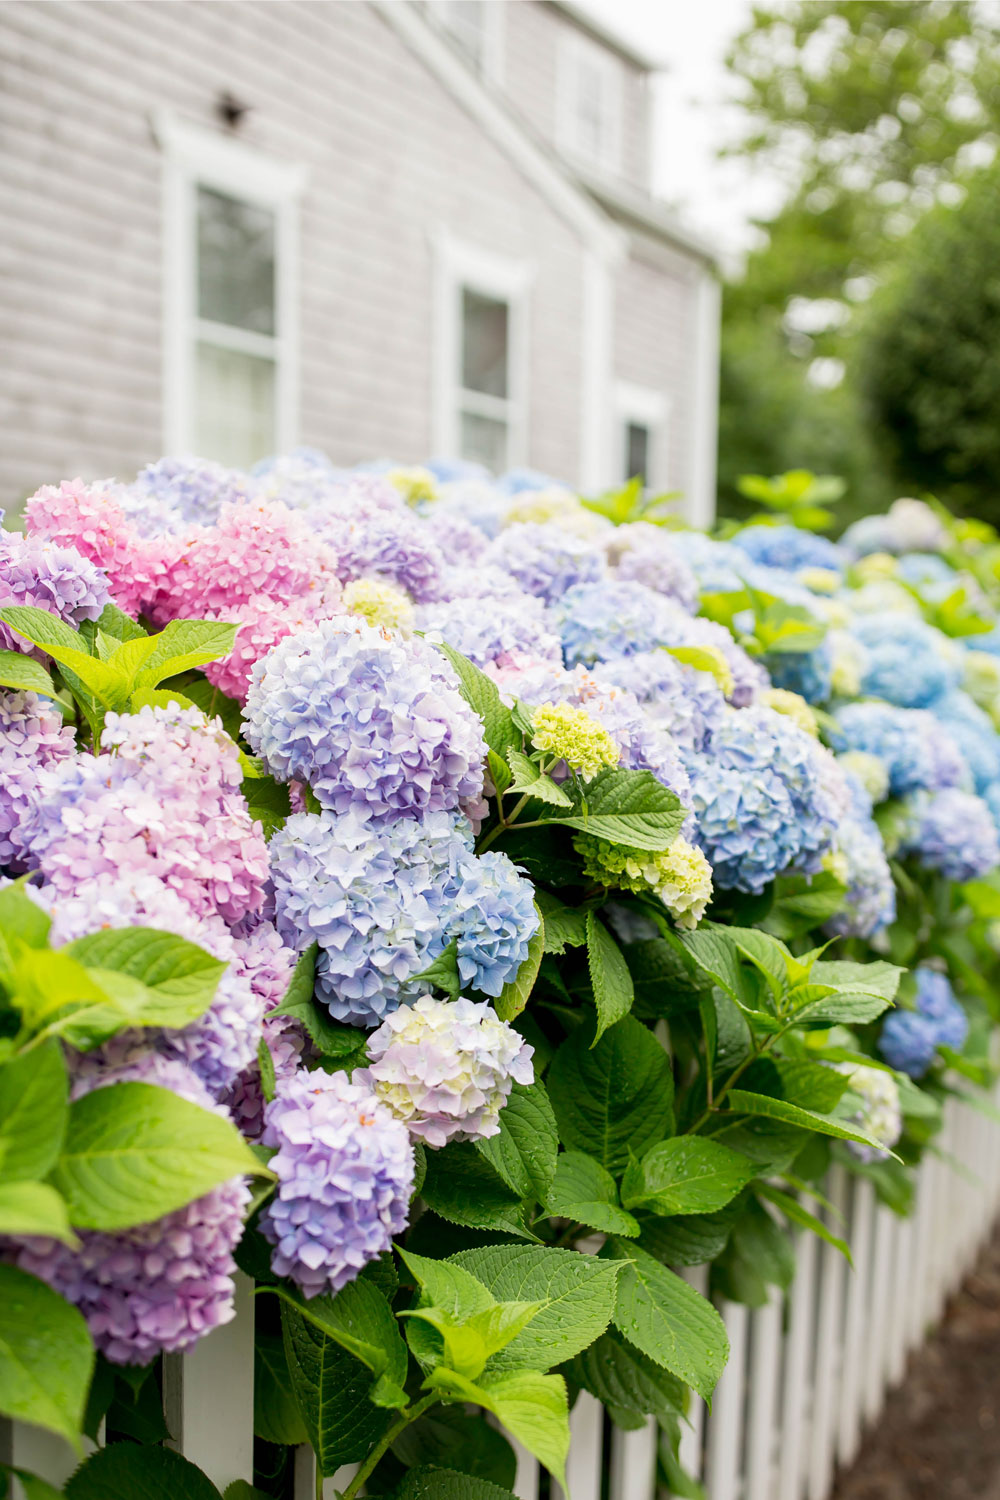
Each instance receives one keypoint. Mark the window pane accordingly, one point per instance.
(234, 406)
(485, 337)
(636, 451)
(235, 262)
(484, 440)
(466, 20)
(592, 110)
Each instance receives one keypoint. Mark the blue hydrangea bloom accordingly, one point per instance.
(494, 918)
(808, 673)
(368, 720)
(926, 568)
(914, 747)
(719, 567)
(493, 630)
(973, 732)
(546, 560)
(790, 548)
(870, 900)
(951, 831)
(909, 662)
(516, 480)
(908, 1042)
(685, 702)
(936, 1000)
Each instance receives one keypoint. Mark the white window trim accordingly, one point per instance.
(492, 67)
(575, 49)
(192, 158)
(646, 407)
(458, 265)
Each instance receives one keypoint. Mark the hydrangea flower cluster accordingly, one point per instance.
(574, 737)
(646, 554)
(879, 1116)
(910, 1038)
(50, 577)
(545, 560)
(445, 1069)
(345, 1174)
(33, 738)
(680, 877)
(952, 832)
(790, 549)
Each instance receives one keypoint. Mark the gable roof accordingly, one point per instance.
(606, 35)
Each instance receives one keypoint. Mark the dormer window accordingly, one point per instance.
(476, 26)
(590, 103)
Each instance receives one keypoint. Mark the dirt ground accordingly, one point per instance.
(939, 1436)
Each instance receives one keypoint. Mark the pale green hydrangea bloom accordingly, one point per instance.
(869, 770)
(680, 876)
(794, 706)
(415, 484)
(379, 603)
(573, 736)
(880, 1115)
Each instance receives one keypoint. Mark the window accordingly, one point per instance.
(642, 414)
(231, 341)
(476, 25)
(590, 103)
(480, 353)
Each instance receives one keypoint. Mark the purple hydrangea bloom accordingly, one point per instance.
(345, 1174)
(445, 1068)
(546, 560)
(766, 798)
(395, 546)
(369, 721)
(685, 702)
(648, 554)
(51, 577)
(160, 1286)
(245, 1098)
(790, 548)
(183, 491)
(916, 750)
(936, 1000)
(951, 831)
(493, 630)
(32, 737)
(908, 1042)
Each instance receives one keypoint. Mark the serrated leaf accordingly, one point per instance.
(690, 1240)
(46, 1356)
(579, 1292)
(24, 674)
(742, 1102)
(183, 645)
(622, 1377)
(34, 1208)
(797, 1213)
(531, 779)
(463, 1188)
(176, 980)
(614, 1097)
(609, 977)
(107, 685)
(630, 808)
(34, 1109)
(524, 1151)
(565, 926)
(533, 1407)
(276, 1417)
(686, 1175)
(332, 1391)
(483, 697)
(583, 1190)
(447, 1484)
(443, 972)
(268, 801)
(517, 991)
(449, 1435)
(135, 1152)
(360, 1320)
(668, 1320)
(126, 1471)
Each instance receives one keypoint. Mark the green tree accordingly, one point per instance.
(928, 362)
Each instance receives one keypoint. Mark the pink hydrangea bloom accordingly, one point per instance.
(91, 518)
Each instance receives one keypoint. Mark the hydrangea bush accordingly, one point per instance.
(478, 898)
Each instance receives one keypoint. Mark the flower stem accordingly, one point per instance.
(381, 1447)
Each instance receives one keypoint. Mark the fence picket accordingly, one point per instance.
(795, 1386)
(762, 1415)
(725, 1430)
(633, 1463)
(208, 1396)
(526, 1479)
(586, 1441)
(829, 1346)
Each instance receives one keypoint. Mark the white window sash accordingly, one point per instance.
(646, 407)
(193, 158)
(575, 53)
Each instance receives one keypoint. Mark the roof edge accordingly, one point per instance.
(649, 214)
(607, 36)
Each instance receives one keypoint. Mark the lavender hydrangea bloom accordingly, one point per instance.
(951, 831)
(32, 737)
(909, 662)
(184, 491)
(245, 1098)
(158, 1287)
(445, 1068)
(908, 1042)
(345, 1174)
(396, 547)
(648, 554)
(870, 901)
(936, 1000)
(369, 721)
(765, 798)
(916, 750)
(50, 577)
(972, 730)
(545, 560)
(493, 631)
(685, 702)
(494, 920)
(790, 548)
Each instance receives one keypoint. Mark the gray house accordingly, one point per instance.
(381, 227)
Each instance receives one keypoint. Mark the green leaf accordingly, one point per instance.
(268, 801)
(158, 698)
(330, 1037)
(483, 697)
(565, 926)
(499, 770)
(623, 1378)
(34, 1108)
(135, 1152)
(46, 1356)
(742, 1102)
(530, 778)
(360, 1320)
(533, 1407)
(34, 1208)
(443, 972)
(705, 659)
(579, 1292)
(630, 808)
(686, 1175)
(24, 674)
(517, 991)
(125, 1471)
(448, 1285)
(798, 1214)
(802, 902)
(609, 977)
(175, 980)
(668, 1320)
(614, 1097)
(107, 685)
(447, 1484)
(212, 702)
(276, 1417)
(462, 1187)
(585, 1191)
(524, 1152)
(332, 1391)
(240, 1490)
(184, 644)
(449, 1435)
(113, 622)
(758, 1255)
(691, 1240)
(714, 950)
(22, 918)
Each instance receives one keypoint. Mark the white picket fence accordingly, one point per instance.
(805, 1375)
